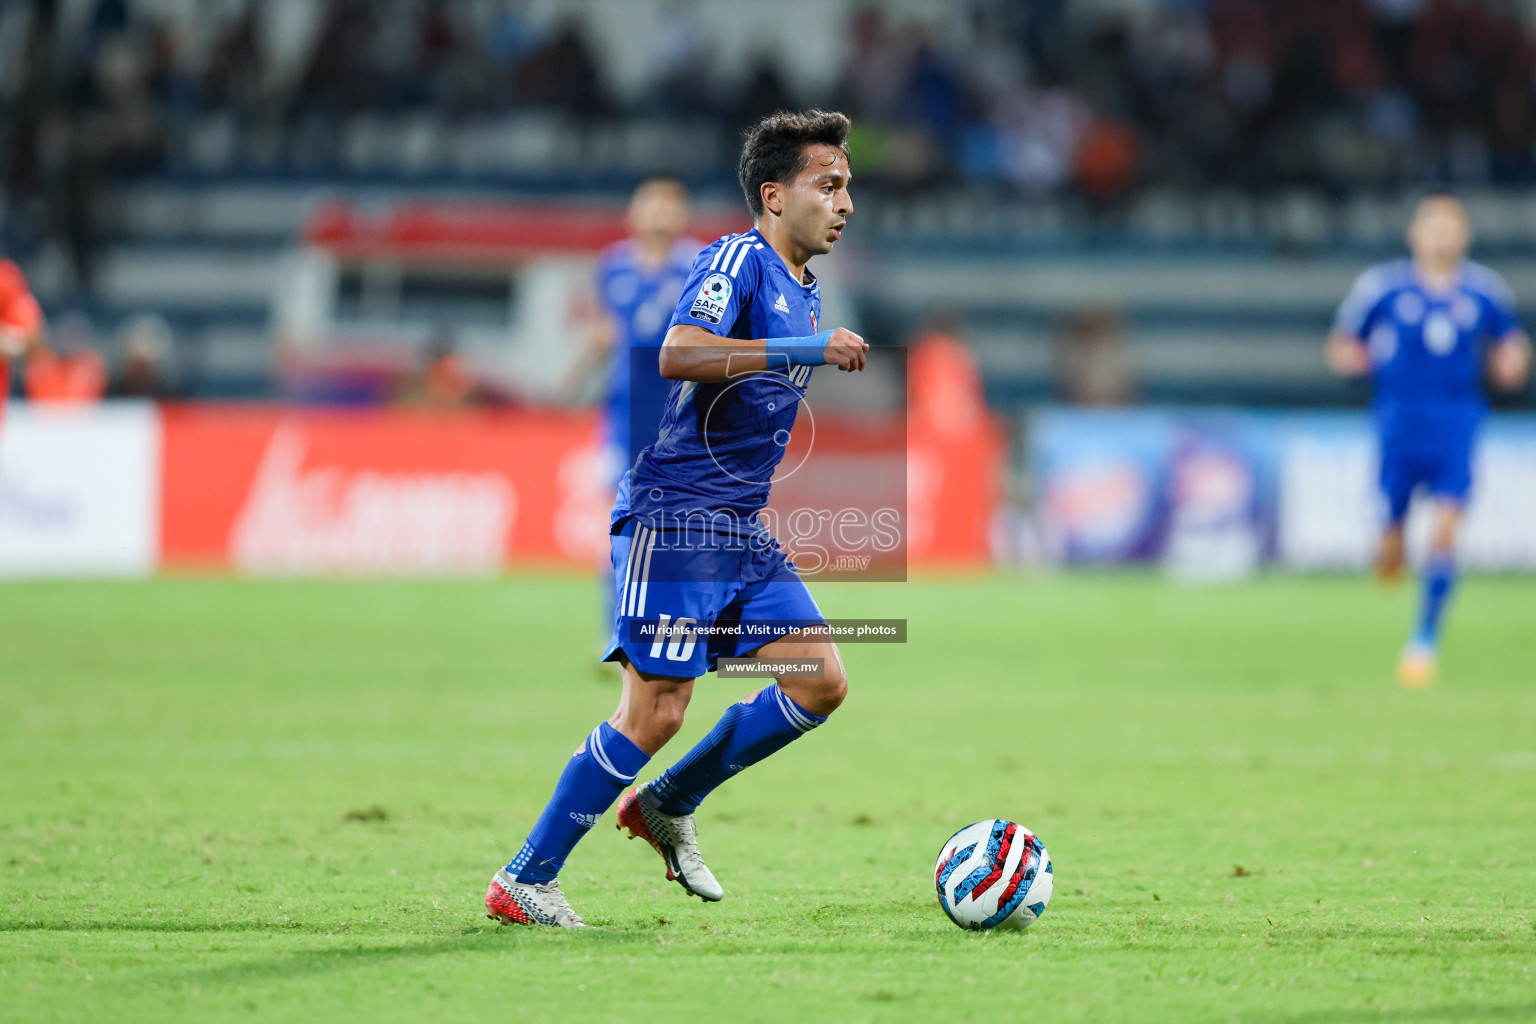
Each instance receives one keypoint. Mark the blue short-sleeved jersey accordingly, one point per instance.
(1427, 348)
(639, 300)
(719, 443)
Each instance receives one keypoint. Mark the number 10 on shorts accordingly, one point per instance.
(680, 646)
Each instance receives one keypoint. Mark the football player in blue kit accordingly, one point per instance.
(698, 575)
(1422, 329)
(638, 282)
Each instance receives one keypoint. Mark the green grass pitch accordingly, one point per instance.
(282, 801)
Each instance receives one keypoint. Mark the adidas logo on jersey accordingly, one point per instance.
(780, 304)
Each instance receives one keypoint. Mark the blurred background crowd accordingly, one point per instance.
(1096, 99)
(158, 158)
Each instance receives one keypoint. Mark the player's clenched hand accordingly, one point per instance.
(1346, 356)
(845, 350)
(1510, 364)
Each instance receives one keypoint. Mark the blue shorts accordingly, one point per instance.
(682, 604)
(1444, 471)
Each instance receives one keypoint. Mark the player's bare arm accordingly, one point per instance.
(1509, 366)
(692, 353)
(1346, 355)
(593, 355)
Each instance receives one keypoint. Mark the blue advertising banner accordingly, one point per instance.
(1215, 493)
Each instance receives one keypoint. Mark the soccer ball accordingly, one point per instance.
(993, 874)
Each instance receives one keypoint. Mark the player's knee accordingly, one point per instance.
(1442, 535)
(825, 694)
(667, 717)
(653, 730)
(836, 688)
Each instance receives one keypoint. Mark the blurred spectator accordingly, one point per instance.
(146, 372)
(1106, 161)
(70, 370)
(682, 61)
(764, 93)
(235, 70)
(1041, 131)
(438, 47)
(563, 74)
(74, 167)
(340, 76)
(1046, 98)
(443, 382)
(873, 69)
(1089, 359)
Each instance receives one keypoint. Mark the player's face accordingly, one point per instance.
(1439, 233)
(816, 203)
(658, 210)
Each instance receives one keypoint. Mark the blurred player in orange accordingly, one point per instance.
(70, 371)
(21, 324)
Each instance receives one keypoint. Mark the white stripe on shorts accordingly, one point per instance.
(630, 566)
(645, 571)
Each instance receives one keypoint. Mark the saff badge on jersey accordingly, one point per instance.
(712, 299)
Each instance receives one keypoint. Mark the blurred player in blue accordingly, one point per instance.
(698, 575)
(1424, 329)
(638, 283)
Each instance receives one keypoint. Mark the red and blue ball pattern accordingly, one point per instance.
(992, 874)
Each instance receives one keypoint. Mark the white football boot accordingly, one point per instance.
(512, 902)
(675, 838)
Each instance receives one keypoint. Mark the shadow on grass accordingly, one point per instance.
(333, 931)
(482, 940)
(1460, 1012)
(170, 927)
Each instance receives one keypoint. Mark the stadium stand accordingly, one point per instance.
(164, 163)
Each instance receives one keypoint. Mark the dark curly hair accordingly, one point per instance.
(774, 148)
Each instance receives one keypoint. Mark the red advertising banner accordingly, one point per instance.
(273, 491)
(277, 491)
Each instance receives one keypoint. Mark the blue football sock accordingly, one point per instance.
(593, 779)
(746, 733)
(1438, 580)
